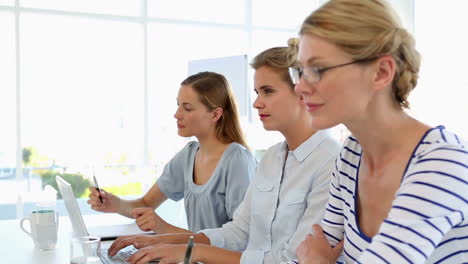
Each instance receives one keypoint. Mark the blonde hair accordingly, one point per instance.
(280, 58)
(214, 91)
(367, 29)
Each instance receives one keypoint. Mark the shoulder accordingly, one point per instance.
(236, 150)
(438, 137)
(272, 152)
(238, 153)
(330, 146)
(439, 161)
(441, 147)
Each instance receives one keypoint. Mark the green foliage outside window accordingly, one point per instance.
(79, 183)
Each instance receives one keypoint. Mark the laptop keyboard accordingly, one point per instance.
(121, 257)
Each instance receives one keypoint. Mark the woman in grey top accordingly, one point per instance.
(212, 175)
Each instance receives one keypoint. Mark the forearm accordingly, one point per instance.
(126, 206)
(166, 228)
(209, 254)
(153, 199)
(181, 238)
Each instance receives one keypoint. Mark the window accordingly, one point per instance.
(8, 195)
(7, 2)
(211, 11)
(82, 94)
(114, 7)
(281, 14)
(438, 98)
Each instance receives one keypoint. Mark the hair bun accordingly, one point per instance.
(293, 43)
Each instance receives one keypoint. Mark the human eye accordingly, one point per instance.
(315, 69)
(268, 91)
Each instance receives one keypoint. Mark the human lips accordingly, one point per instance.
(312, 107)
(179, 126)
(263, 116)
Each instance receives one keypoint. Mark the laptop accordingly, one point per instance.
(109, 232)
(106, 232)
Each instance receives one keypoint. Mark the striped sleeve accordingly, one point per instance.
(432, 201)
(333, 220)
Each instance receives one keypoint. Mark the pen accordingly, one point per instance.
(188, 252)
(97, 188)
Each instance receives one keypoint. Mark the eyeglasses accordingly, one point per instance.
(314, 74)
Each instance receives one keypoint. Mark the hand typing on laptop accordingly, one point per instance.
(142, 241)
(151, 249)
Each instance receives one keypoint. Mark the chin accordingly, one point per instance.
(182, 134)
(320, 124)
(268, 127)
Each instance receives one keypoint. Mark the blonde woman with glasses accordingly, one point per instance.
(399, 188)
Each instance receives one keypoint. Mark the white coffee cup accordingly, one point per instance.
(44, 227)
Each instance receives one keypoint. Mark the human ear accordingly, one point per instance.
(385, 68)
(217, 113)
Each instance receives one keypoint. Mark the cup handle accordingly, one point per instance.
(22, 227)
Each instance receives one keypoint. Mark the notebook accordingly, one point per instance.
(106, 232)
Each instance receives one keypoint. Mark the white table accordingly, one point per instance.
(16, 247)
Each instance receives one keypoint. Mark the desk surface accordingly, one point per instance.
(16, 247)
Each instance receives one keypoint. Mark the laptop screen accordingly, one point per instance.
(72, 207)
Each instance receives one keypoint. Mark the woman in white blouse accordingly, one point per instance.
(287, 195)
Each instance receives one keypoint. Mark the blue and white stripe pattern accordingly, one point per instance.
(428, 221)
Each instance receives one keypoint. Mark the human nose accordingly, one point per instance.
(302, 87)
(177, 114)
(257, 103)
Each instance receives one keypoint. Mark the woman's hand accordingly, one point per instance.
(137, 241)
(110, 203)
(315, 249)
(148, 220)
(163, 253)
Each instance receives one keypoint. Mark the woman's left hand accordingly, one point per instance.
(164, 253)
(315, 249)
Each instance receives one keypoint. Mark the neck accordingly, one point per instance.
(384, 135)
(298, 133)
(210, 145)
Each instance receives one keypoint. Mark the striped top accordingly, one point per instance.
(428, 221)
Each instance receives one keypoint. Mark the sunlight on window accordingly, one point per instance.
(270, 13)
(440, 97)
(82, 97)
(213, 11)
(7, 2)
(7, 116)
(265, 39)
(114, 7)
